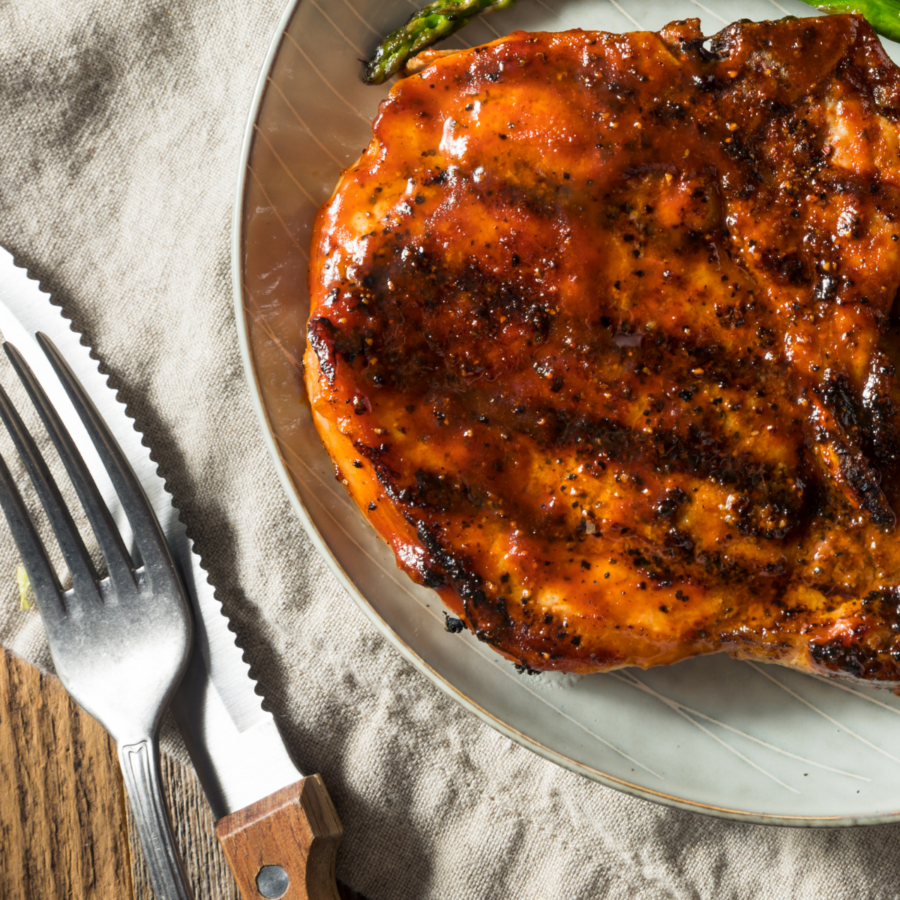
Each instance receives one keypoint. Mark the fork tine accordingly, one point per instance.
(147, 532)
(44, 583)
(84, 578)
(118, 562)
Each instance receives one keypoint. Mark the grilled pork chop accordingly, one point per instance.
(602, 343)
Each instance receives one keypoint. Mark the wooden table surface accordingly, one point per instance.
(65, 828)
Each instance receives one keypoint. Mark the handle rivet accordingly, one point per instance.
(272, 882)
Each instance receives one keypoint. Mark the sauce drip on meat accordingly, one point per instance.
(602, 343)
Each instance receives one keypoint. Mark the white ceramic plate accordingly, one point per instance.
(754, 742)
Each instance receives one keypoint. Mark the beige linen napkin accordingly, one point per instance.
(120, 128)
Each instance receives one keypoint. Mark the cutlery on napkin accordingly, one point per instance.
(278, 829)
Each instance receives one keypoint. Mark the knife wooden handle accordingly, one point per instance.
(284, 846)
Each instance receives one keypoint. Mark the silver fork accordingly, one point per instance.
(120, 645)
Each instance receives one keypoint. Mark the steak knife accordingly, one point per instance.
(278, 829)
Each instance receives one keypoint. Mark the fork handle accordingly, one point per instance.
(140, 768)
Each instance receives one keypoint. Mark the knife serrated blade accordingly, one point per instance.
(234, 744)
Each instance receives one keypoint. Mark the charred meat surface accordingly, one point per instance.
(602, 342)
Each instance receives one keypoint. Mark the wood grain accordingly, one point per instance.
(62, 814)
(296, 828)
(65, 830)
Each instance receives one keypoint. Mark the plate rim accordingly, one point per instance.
(407, 652)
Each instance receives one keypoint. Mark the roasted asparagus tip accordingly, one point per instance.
(432, 23)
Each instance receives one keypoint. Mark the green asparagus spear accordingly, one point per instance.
(443, 17)
(882, 15)
(437, 20)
